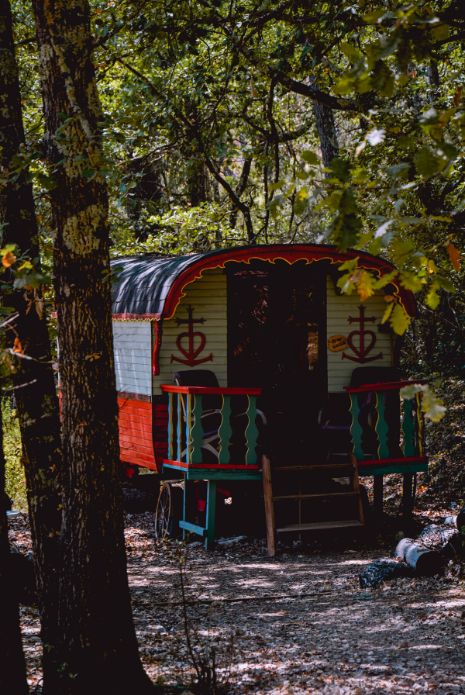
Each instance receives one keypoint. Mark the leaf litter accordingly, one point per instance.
(295, 624)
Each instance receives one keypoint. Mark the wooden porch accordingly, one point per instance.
(219, 434)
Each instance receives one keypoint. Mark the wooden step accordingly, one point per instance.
(320, 526)
(314, 495)
(305, 484)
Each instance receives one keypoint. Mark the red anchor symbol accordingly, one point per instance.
(363, 348)
(193, 350)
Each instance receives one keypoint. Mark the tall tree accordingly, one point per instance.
(30, 360)
(100, 650)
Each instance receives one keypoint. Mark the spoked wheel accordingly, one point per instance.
(163, 512)
(168, 509)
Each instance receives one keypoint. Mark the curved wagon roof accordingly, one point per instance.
(150, 286)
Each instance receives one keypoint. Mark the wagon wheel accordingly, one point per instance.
(163, 511)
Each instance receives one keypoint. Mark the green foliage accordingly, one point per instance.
(211, 140)
(15, 481)
(446, 445)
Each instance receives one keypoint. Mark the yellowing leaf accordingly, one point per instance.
(364, 284)
(8, 259)
(411, 281)
(25, 265)
(399, 319)
(345, 283)
(387, 312)
(432, 298)
(432, 406)
(384, 280)
(454, 255)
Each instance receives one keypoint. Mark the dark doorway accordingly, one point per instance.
(277, 339)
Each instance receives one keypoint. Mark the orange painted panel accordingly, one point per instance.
(160, 430)
(136, 433)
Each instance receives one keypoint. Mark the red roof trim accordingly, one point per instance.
(136, 317)
(290, 254)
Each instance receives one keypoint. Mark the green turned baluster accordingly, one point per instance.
(408, 428)
(171, 434)
(225, 431)
(179, 426)
(189, 445)
(197, 430)
(356, 428)
(251, 431)
(382, 428)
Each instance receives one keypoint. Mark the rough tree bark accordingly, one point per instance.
(12, 664)
(33, 379)
(326, 127)
(100, 647)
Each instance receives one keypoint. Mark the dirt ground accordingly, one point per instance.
(296, 624)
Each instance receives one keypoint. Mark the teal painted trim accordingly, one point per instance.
(179, 426)
(382, 429)
(183, 519)
(408, 429)
(189, 445)
(225, 431)
(395, 468)
(210, 514)
(174, 468)
(192, 528)
(208, 474)
(212, 474)
(197, 430)
(171, 426)
(251, 431)
(356, 428)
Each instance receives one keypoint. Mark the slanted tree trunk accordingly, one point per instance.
(33, 379)
(100, 653)
(12, 664)
(326, 127)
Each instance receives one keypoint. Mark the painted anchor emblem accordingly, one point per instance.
(366, 339)
(196, 341)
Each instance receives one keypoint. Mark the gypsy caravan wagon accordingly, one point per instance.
(249, 363)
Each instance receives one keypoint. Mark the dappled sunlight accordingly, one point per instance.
(361, 645)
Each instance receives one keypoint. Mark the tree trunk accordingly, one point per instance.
(12, 664)
(33, 379)
(197, 180)
(326, 127)
(99, 644)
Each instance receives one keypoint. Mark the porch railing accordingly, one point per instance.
(225, 436)
(387, 430)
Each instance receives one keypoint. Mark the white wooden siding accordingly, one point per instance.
(339, 308)
(208, 298)
(132, 346)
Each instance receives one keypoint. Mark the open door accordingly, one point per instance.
(276, 340)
